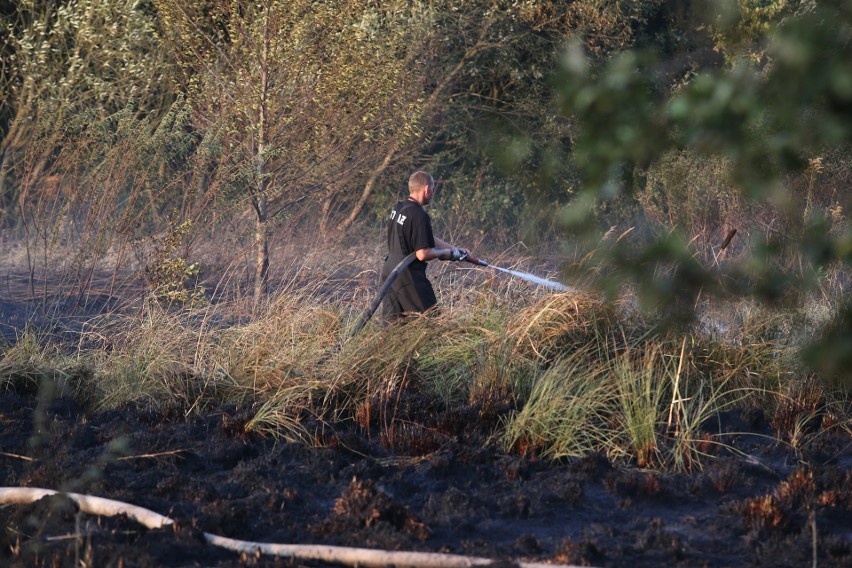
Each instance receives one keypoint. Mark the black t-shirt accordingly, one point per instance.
(409, 230)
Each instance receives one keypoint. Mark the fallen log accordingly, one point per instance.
(88, 504)
(366, 557)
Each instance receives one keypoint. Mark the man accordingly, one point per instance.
(410, 231)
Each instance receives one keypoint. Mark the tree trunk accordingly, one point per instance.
(261, 243)
(368, 187)
(9, 146)
(261, 235)
(5, 199)
(325, 214)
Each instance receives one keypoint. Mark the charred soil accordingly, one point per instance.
(449, 493)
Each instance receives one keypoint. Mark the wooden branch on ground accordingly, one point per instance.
(333, 554)
(87, 504)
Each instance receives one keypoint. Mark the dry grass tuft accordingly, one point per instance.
(558, 323)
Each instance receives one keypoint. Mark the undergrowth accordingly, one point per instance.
(547, 375)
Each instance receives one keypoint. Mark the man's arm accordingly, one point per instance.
(426, 254)
(441, 251)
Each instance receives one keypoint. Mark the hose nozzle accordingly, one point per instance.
(474, 260)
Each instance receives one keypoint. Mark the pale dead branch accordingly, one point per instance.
(334, 554)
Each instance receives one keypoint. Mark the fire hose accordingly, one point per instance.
(386, 285)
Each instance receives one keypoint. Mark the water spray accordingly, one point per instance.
(552, 284)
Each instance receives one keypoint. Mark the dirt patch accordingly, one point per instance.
(208, 475)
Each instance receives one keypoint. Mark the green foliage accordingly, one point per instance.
(765, 124)
(102, 51)
(172, 279)
(739, 27)
(494, 137)
(310, 88)
(63, 58)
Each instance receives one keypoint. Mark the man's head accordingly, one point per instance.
(421, 186)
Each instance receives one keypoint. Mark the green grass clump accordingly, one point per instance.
(642, 386)
(33, 363)
(565, 413)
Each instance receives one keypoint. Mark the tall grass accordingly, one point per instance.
(565, 414)
(642, 381)
(552, 375)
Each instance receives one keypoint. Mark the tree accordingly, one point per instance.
(472, 27)
(488, 65)
(63, 58)
(303, 94)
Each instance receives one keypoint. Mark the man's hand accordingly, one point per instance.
(459, 254)
(454, 253)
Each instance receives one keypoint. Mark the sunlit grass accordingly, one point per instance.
(565, 414)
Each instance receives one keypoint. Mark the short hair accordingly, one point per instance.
(419, 179)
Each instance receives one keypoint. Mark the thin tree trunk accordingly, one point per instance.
(9, 146)
(368, 187)
(4, 201)
(261, 243)
(261, 235)
(325, 214)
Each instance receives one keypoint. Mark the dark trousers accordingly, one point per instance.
(412, 292)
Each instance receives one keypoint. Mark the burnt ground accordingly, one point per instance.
(457, 495)
(440, 488)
